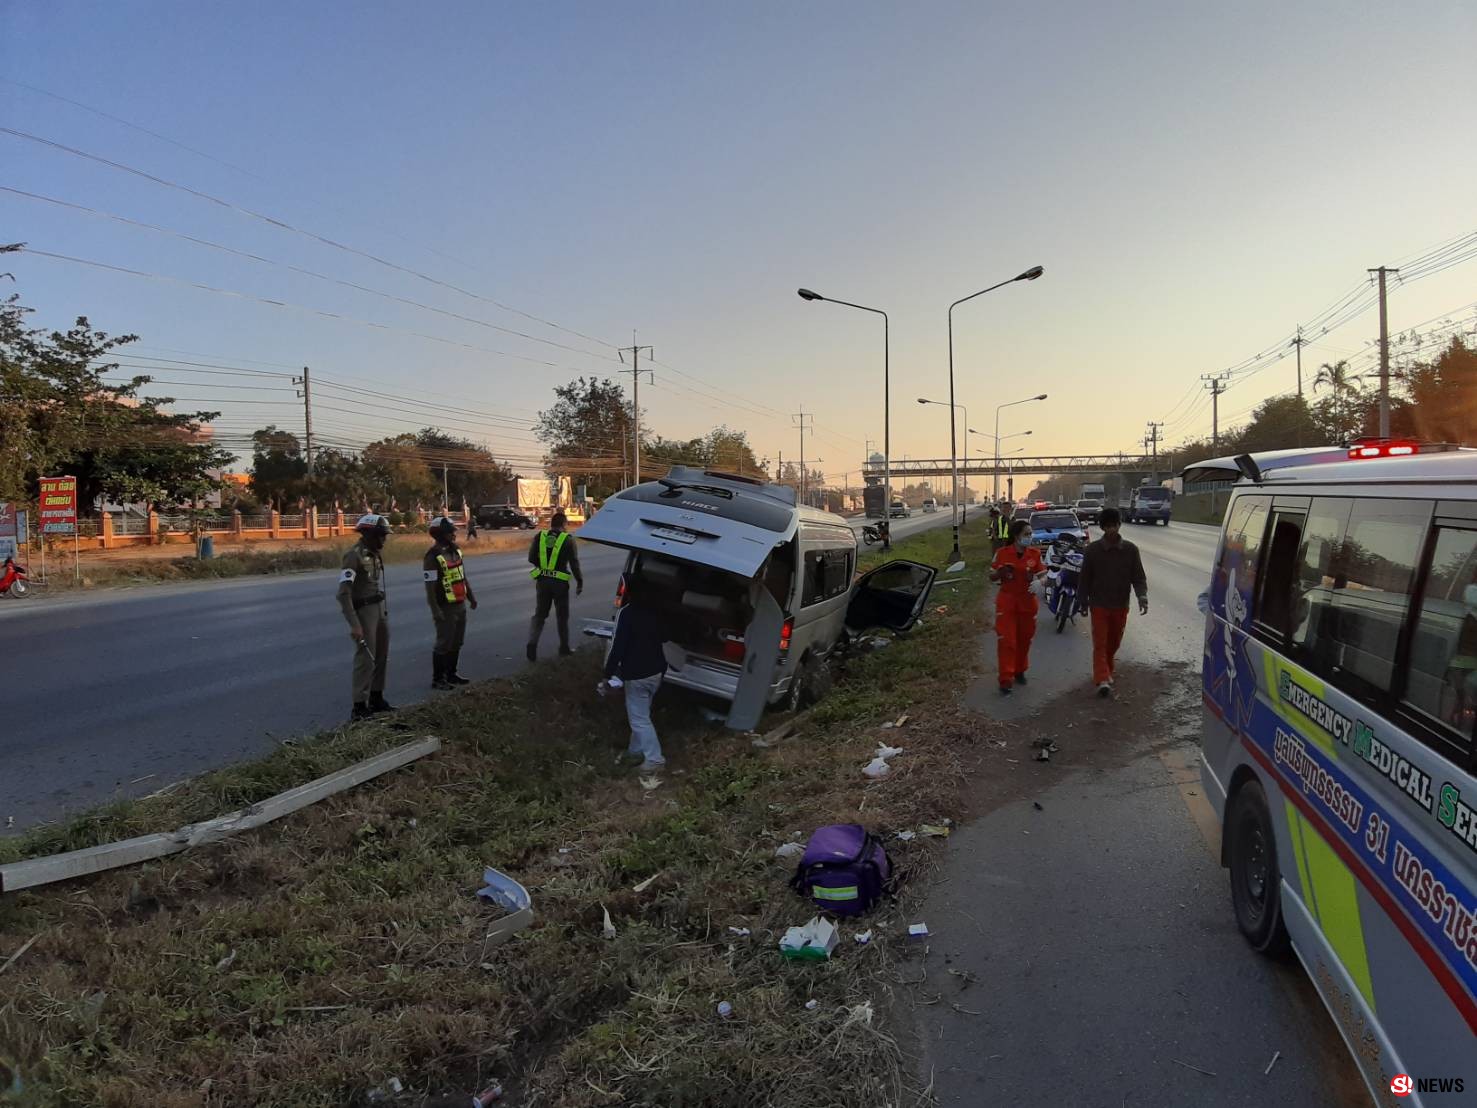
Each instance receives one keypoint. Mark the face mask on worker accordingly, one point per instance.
(1023, 540)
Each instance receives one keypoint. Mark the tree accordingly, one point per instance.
(1278, 422)
(588, 432)
(1339, 414)
(470, 474)
(397, 474)
(60, 414)
(279, 472)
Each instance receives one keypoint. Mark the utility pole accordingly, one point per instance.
(1382, 271)
(307, 395)
(445, 487)
(1300, 342)
(1152, 442)
(1216, 383)
(635, 352)
(799, 419)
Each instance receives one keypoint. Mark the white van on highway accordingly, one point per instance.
(758, 591)
(930, 505)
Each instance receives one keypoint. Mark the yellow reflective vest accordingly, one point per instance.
(548, 556)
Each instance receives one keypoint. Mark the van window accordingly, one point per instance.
(1279, 574)
(1441, 676)
(1320, 572)
(827, 575)
(1377, 563)
(1243, 545)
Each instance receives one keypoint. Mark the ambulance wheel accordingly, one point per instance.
(1256, 882)
(812, 682)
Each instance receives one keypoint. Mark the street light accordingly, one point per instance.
(810, 296)
(1011, 404)
(1029, 275)
(962, 408)
(998, 441)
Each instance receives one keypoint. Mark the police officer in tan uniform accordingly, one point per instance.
(449, 594)
(361, 597)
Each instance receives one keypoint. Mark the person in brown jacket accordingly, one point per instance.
(1110, 569)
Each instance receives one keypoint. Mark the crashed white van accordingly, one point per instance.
(758, 591)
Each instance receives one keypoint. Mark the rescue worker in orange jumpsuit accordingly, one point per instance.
(1015, 568)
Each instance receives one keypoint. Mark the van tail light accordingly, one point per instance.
(1383, 448)
(620, 592)
(786, 631)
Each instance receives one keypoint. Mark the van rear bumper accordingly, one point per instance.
(713, 677)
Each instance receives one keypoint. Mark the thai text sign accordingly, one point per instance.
(57, 510)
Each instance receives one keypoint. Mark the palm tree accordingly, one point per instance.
(1338, 378)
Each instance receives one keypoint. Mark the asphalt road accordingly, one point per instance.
(1099, 928)
(120, 692)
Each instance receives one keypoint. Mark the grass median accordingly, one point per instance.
(313, 961)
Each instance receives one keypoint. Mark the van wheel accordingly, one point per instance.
(812, 682)
(1256, 881)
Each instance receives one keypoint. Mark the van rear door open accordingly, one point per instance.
(685, 523)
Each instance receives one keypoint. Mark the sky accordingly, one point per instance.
(1195, 182)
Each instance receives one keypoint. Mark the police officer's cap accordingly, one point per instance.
(442, 525)
(373, 522)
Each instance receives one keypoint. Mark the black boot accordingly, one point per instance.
(532, 652)
(361, 711)
(452, 676)
(378, 703)
(439, 669)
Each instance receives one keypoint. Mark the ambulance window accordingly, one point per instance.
(1321, 572)
(1441, 677)
(1279, 575)
(1377, 559)
(1243, 545)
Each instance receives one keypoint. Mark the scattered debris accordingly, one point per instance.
(713, 715)
(649, 783)
(1187, 1066)
(963, 1010)
(858, 1013)
(1037, 805)
(1272, 1063)
(907, 836)
(902, 719)
(490, 1095)
(225, 963)
(917, 931)
(608, 930)
(813, 942)
(725, 1010)
(566, 850)
(863, 937)
(942, 609)
(1043, 755)
(876, 768)
(741, 932)
(885, 751)
(642, 886)
(964, 975)
(812, 1005)
(934, 830)
(9, 821)
(414, 823)
(789, 850)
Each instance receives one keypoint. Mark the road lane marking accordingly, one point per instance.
(1182, 764)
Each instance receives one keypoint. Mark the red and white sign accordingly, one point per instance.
(57, 507)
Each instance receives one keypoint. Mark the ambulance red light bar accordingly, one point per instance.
(1384, 448)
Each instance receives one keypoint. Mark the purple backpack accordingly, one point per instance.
(844, 870)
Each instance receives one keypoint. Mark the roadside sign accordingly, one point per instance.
(57, 512)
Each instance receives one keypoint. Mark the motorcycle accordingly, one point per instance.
(873, 532)
(1063, 572)
(13, 579)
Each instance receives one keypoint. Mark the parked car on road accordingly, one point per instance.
(758, 592)
(504, 515)
(1149, 504)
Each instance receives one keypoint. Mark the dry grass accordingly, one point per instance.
(308, 963)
